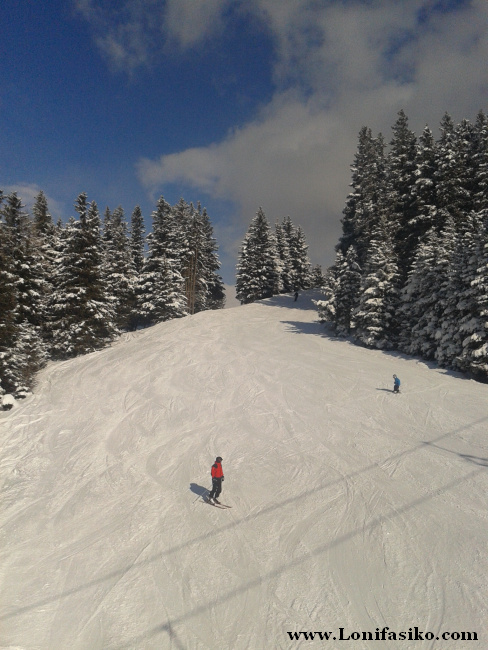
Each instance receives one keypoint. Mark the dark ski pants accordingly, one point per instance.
(216, 488)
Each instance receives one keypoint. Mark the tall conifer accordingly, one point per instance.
(82, 315)
(160, 290)
(118, 269)
(137, 238)
(376, 316)
(258, 274)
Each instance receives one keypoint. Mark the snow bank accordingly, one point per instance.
(7, 402)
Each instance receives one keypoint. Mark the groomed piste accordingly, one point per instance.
(352, 507)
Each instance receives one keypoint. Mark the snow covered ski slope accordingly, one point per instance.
(353, 507)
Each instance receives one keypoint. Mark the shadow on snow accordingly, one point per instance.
(198, 489)
(325, 331)
(303, 303)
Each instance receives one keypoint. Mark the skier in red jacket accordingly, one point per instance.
(217, 477)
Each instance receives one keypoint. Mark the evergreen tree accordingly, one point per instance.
(82, 315)
(77, 287)
(375, 317)
(107, 217)
(300, 262)
(418, 283)
(17, 230)
(455, 174)
(481, 164)
(364, 203)
(118, 269)
(424, 191)
(137, 239)
(160, 291)
(468, 148)
(434, 204)
(30, 289)
(8, 308)
(426, 292)
(182, 214)
(458, 300)
(317, 278)
(29, 356)
(45, 242)
(214, 293)
(43, 221)
(327, 305)
(192, 254)
(348, 276)
(401, 196)
(258, 274)
(284, 262)
(474, 324)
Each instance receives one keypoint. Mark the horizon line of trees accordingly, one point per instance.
(69, 289)
(276, 262)
(411, 269)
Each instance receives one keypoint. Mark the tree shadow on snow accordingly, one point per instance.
(304, 301)
(318, 328)
(297, 327)
(326, 330)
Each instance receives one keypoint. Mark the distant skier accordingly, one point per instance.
(296, 296)
(217, 474)
(396, 384)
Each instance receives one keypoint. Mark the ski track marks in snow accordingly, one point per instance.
(352, 507)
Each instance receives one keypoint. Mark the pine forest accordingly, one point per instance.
(411, 267)
(274, 262)
(410, 273)
(69, 289)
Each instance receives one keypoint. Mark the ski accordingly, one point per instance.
(216, 505)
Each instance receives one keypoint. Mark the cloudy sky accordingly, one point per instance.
(234, 103)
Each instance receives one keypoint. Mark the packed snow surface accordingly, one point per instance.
(352, 507)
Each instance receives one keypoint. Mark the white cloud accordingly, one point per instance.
(280, 162)
(126, 46)
(189, 22)
(131, 33)
(348, 64)
(128, 33)
(338, 66)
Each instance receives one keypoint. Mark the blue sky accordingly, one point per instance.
(238, 104)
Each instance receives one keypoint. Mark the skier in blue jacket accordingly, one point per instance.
(396, 384)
